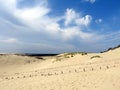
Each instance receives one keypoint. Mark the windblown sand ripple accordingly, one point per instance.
(74, 73)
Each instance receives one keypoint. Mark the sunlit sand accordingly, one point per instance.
(67, 71)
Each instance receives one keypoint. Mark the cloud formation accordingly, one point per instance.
(98, 20)
(91, 1)
(10, 40)
(32, 29)
(73, 17)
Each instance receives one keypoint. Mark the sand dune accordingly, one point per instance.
(68, 71)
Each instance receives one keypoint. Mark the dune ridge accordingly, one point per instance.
(68, 71)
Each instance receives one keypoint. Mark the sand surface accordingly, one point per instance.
(94, 71)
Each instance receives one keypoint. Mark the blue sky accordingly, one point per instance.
(56, 26)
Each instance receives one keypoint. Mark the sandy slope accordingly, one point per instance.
(79, 72)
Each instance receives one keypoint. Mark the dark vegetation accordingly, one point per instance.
(38, 56)
(97, 56)
(68, 55)
(111, 49)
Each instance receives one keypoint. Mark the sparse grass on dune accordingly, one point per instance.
(69, 55)
(75, 53)
(97, 56)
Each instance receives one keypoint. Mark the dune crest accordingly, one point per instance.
(68, 71)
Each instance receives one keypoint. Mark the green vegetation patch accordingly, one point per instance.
(69, 55)
(74, 53)
(97, 56)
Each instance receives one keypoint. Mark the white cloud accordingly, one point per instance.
(98, 20)
(37, 20)
(75, 33)
(10, 40)
(70, 33)
(8, 4)
(31, 14)
(72, 17)
(91, 1)
(84, 20)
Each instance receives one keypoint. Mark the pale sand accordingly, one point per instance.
(73, 73)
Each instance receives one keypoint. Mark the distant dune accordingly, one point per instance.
(67, 71)
(111, 49)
